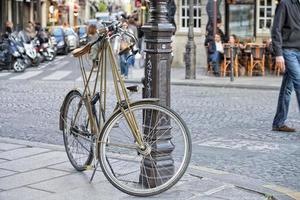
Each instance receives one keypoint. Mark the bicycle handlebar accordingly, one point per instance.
(115, 28)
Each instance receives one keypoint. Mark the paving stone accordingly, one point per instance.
(7, 146)
(23, 193)
(3, 160)
(65, 166)
(4, 172)
(72, 181)
(196, 185)
(20, 153)
(102, 190)
(35, 162)
(22, 179)
(238, 194)
(171, 194)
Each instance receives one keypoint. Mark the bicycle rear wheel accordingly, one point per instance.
(154, 170)
(78, 139)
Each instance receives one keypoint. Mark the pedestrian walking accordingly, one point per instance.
(93, 36)
(286, 43)
(124, 51)
(132, 28)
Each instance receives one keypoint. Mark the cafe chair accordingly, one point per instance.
(225, 67)
(257, 59)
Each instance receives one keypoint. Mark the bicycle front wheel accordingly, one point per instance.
(78, 139)
(149, 171)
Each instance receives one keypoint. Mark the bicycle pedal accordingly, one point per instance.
(133, 88)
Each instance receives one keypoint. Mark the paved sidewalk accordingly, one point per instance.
(34, 171)
(268, 82)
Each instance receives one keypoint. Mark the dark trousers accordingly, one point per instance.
(215, 59)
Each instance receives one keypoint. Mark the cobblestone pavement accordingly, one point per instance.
(230, 127)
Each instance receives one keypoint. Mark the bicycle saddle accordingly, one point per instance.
(82, 50)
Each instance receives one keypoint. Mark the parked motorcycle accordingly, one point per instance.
(32, 56)
(44, 50)
(11, 55)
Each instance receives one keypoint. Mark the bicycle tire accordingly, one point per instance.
(108, 160)
(79, 159)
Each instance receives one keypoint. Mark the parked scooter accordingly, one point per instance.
(32, 56)
(44, 50)
(42, 42)
(11, 55)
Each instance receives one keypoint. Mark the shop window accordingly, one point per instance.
(241, 20)
(265, 15)
(185, 13)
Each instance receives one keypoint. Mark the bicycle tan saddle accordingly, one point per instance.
(82, 50)
(86, 49)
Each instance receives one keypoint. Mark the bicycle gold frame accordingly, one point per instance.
(105, 50)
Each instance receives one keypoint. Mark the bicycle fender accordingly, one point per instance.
(62, 111)
(145, 100)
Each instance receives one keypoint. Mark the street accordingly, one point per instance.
(230, 128)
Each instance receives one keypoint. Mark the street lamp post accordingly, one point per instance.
(158, 32)
(38, 7)
(190, 47)
(215, 17)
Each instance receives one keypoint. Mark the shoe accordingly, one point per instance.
(284, 128)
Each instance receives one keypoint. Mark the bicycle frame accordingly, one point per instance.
(123, 101)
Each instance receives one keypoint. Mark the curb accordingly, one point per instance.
(214, 85)
(269, 190)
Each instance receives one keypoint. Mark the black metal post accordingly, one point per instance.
(231, 64)
(158, 32)
(215, 17)
(190, 47)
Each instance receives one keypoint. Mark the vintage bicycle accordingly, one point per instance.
(128, 144)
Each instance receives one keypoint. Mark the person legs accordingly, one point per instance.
(124, 65)
(215, 59)
(290, 79)
(283, 101)
(293, 59)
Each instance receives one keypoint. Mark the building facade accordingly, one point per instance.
(248, 19)
(73, 12)
(20, 12)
